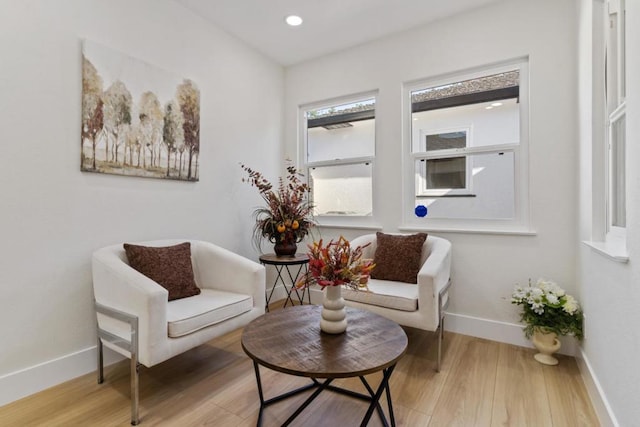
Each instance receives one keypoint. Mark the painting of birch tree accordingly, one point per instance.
(137, 119)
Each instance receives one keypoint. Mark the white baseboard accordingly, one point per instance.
(22, 383)
(598, 398)
(493, 330)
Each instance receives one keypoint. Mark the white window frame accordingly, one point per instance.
(520, 223)
(421, 180)
(613, 172)
(339, 221)
(606, 239)
(616, 236)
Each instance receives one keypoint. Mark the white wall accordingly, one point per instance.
(610, 290)
(485, 266)
(53, 216)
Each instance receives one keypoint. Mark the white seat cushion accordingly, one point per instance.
(188, 315)
(386, 293)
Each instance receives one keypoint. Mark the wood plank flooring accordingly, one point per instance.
(481, 383)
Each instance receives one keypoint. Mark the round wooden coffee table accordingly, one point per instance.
(290, 341)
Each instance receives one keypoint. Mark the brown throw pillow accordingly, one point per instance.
(169, 266)
(397, 257)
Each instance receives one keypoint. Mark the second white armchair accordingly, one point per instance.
(420, 304)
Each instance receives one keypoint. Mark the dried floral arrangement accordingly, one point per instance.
(337, 264)
(287, 216)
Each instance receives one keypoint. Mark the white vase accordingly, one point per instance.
(547, 343)
(334, 315)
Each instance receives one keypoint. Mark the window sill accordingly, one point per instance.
(507, 232)
(617, 253)
(437, 196)
(356, 226)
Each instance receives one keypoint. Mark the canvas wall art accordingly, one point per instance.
(137, 119)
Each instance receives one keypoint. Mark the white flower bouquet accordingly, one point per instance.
(547, 306)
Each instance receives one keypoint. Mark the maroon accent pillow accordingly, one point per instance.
(397, 257)
(169, 266)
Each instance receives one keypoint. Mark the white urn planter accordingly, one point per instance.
(334, 314)
(546, 343)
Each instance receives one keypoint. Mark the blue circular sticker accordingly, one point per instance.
(421, 211)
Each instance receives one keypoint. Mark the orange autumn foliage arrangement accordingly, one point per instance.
(337, 264)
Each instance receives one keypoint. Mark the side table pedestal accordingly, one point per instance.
(293, 266)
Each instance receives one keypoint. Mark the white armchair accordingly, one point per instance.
(420, 305)
(136, 320)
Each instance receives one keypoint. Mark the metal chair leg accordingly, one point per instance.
(135, 396)
(135, 370)
(440, 338)
(442, 306)
(100, 362)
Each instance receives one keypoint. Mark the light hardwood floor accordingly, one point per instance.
(482, 383)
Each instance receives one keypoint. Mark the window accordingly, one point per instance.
(609, 187)
(442, 176)
(339, 149)
(467, 150)
(615, 87)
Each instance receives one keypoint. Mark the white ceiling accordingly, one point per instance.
(329, 25)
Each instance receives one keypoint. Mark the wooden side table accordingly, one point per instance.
(290, 341)
(287, 263)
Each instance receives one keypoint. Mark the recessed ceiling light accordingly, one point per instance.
(489, 107)
(293, 20)
(496, 104)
